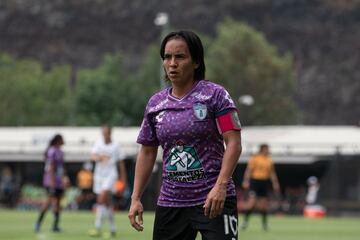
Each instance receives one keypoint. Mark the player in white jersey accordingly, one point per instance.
(107, 157)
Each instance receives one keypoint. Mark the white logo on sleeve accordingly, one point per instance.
(160, 116)
(227, 97)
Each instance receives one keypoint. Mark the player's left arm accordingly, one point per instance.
(122, 170)
(120, 161)
(274, 180)
(96, 157)
(214, 203)
(65, 178)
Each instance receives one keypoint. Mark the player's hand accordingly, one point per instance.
(136, 215)
(215, 200)
(104, 157)
(245, 185)
(276, 188)
(66, 181)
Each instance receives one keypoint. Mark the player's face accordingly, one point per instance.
(266, 151)
(178, 64)
(60, 142)
(107, 134)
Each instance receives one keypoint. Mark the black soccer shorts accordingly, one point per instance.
(55, 192)
(184, 223)
(259, 188)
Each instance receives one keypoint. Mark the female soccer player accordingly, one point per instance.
(259, 172)
(53, 181)
(191, 120)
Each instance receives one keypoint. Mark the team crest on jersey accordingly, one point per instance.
(183, 164)
(200, 111)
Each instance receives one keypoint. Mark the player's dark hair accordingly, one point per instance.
(54, 141)
(108, 126)
(263, 146)
(196, 50)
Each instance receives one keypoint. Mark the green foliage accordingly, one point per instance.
(56, 97)
(147, 82)
(243, 61)
(106, 94)
(100, 92)
(239, 58)
(30, 96)
(110, 94)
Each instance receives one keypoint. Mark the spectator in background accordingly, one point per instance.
(107, 157)
(54, 181)
(312, 191)
(313, 209)
(259, 173)
(84, 181)
(8, 187)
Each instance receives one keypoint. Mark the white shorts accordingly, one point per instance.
(104, 184)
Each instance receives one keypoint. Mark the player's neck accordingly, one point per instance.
(180, 90)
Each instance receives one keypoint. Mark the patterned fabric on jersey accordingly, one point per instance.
(55, 160)
(193, 148)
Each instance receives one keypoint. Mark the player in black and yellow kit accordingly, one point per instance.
(259, 173)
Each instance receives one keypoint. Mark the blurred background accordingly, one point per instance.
(69, 66)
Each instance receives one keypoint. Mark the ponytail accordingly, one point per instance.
(55, 140)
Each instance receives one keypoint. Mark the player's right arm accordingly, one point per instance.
(94, 157)
(95, 153)
(99, 157)
(144, 165)
(50, 168)
(247, 175)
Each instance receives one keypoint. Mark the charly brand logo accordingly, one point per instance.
(160, 116)
(200, 111)
(183, 164)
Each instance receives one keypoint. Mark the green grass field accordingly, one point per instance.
(18, 225)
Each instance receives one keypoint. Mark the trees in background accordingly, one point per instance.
(101, 92)
(111, 94)
(31, 96)
(238, 57)
(322, 36)
(243, 61)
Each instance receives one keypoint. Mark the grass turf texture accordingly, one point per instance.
(18, 225)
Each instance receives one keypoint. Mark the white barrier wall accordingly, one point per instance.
(297, 144)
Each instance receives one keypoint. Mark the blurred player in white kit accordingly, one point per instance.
(107, 156)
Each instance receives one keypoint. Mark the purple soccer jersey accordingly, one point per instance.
(193, 147)
(55, 158)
